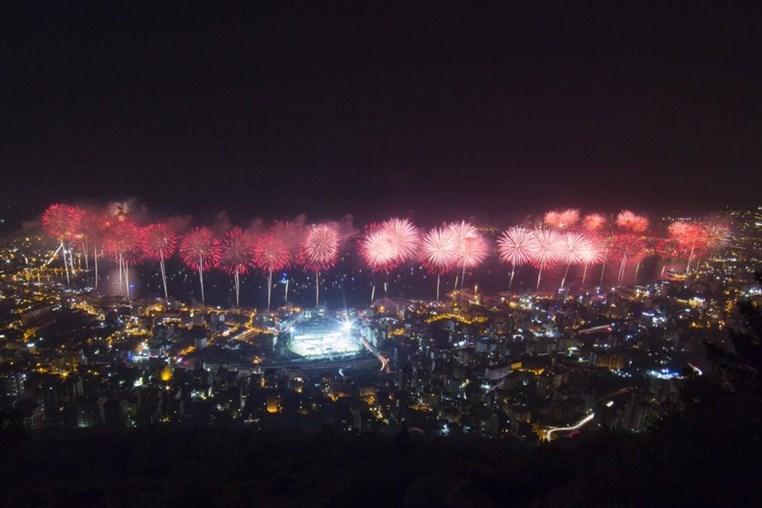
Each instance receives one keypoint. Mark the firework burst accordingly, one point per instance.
(561, 219)
(440, 251)
(320, 250)
(593, 222)
(690, 236)
(472, 248)
(272, 252)
(200, 250)
(591, 251)
(514, 247)
(571, 252)
(159, 243)
(545, 249)
(632, 222)
(236, 257)
(62, 222)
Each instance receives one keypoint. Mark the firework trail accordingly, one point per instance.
(320, 250)
(561, 219)
(440, 252)
(200, 250)
(272, 252)
(159, 242)
(472, 249)
(571, 251)
(92, 228)
(124, 241)
(236, 256)
(545, 249)
(515, 247)
(61, 222)
(627, 247)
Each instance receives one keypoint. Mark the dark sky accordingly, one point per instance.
(374, 107)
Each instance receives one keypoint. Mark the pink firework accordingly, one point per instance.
(404, 238)
(272, 252)
(376, 249)
(571, 252)
(320, 250)
(200, 250)
(159, 243)
(472, 248)
(62, 222)
(593, 222)
(236, 256)
(632, 222)
(514, 247)
(591, 252)
(546, 248)
(440, 251)
(124, 241)
(562, 219)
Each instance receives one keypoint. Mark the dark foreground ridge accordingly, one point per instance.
(694, 459)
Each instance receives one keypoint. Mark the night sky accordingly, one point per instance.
(447, 108)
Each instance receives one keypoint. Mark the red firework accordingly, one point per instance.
(632, 222)
(236, 252)
(562, 219)
(272, 252)
(690, 236)
(236, 256)
(124, 240)
(320, 247)
(291, 235)
(627, 245)
(159, 241)
(199, 249)
(593, 222)
(62, 221)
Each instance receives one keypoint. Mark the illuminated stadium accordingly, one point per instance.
(316, 338)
